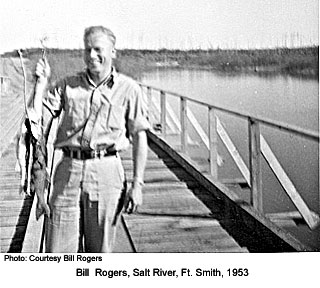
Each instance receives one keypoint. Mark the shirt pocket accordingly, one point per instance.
(76, 112)
(116, 117)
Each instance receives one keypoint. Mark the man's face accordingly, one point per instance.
(98, 54)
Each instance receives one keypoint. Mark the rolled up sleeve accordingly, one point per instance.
(137, 119)
(53, 100)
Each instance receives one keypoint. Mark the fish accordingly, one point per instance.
(24, 152)
(32, 160)
(32, 152)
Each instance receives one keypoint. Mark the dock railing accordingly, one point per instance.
(165, 121)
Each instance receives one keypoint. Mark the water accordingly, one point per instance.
(282, 98)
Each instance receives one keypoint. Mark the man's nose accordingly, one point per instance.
(92, 53)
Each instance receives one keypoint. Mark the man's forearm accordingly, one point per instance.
(40, 89)
(140, 153)
(43, 73)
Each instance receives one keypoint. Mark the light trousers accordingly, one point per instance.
(86, 202)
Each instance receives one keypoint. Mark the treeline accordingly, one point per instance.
(295, 61)
(302, 61)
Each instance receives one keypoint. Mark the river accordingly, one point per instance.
(281, 98)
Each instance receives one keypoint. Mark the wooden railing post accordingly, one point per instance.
(183, 120)
(163, 113)
(149, 103)
(213, 143)
(255, 165)
(149, 97)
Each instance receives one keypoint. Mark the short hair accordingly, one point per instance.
(94, 29)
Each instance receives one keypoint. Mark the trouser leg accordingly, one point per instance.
(62, 229)
(99, 224)
(102, 204)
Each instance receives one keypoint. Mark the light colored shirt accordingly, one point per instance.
(120, 107)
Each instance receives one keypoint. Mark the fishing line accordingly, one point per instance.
(25, 83)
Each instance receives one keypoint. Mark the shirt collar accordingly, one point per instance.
(108, 81)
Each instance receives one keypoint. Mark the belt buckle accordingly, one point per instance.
(96, 153)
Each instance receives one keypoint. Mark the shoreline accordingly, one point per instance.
(262, 71)
(297, 62)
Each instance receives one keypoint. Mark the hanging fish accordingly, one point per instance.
(24, 156)
(32, 159)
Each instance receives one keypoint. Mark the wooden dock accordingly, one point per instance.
(184, 209)
(14, 207)
(172, 219)
(179, 214)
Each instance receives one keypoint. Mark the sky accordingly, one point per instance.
(155, 24)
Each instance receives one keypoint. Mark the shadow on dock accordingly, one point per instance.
(21, 226)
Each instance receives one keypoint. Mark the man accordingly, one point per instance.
(101, 111)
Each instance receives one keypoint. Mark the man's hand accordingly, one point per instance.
(43, 71)
(133, 198)
(42, 208)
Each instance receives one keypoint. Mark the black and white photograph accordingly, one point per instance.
(170, 142)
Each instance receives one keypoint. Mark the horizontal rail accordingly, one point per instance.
(309, 134)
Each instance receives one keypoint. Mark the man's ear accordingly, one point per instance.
(114, 53)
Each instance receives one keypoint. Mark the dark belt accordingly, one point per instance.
(87, 154)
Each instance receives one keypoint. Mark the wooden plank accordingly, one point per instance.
(8, 205)
(13, 178)
(187, 247)
(10, 245)
(185, 204)
(165, 176)
(174, 209)
(171, 185)
(11, 221)
(150, 233)
(14, 210)
(181, 189)
(159, 234)
(255, 165)
(160, 223)
(9, 232)
(178, 221)
(312, 219)
(6, 196)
